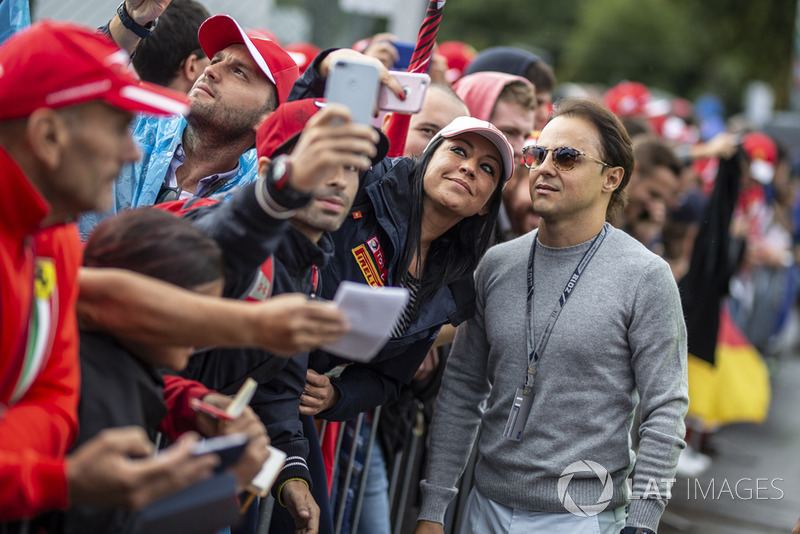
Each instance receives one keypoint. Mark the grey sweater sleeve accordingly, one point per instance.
(657, 336)
(457, 412)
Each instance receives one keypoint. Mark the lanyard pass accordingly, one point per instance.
(520, 411)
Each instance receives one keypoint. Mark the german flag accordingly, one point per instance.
(728, 379)
(735, 389)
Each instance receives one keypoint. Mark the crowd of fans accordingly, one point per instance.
(175, 224)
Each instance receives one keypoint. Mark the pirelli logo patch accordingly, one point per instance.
(367, 266)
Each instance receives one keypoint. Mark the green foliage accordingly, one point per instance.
(643, 40)
(683, 46)
(525, 23)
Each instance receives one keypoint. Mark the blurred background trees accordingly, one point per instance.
(686, 47)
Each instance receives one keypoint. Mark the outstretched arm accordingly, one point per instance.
(134, 306)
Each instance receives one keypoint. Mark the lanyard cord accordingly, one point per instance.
(535, 351)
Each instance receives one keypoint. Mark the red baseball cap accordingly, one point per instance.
(459, 55)
(628, 99)
(278, 133)
(58, 64)
(221, 31)
(762, 153)
(303, 54)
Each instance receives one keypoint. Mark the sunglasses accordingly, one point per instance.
(564, 157)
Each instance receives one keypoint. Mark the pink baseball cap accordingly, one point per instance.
(461, 125)
(58, 64)
(221, 31)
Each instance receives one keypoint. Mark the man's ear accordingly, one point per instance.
(192, 69)
(261, 119)
(386, 120)
(263, 164)
(613, 179)
(48, 135)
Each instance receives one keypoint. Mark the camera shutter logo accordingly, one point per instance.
(585, 510)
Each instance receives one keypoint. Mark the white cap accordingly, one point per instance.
(466, 124)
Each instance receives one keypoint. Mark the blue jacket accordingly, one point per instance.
(368, 248)
(138, 183)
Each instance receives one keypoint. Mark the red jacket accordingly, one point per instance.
(39, 370)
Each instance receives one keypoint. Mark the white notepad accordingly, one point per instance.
(263, 481)
(372, 313)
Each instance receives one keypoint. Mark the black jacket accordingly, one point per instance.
(116, 390)
(246, 246)
(368, 248)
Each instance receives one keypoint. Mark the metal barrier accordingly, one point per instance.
(403, 482)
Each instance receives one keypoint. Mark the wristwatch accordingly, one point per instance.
(142, 31)
(279, 188)
(636, 530)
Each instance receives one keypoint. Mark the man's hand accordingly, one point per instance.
(142, 12)
(116, 469)
(145, 11)
(438, 69)
(329, 142)
(291, 323)
(381, 48)
(347, 53)
(298, 500)
(428, 527)
(428, 366)
(256, 452)
(318, 395)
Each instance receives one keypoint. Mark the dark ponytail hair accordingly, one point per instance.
(157, 244)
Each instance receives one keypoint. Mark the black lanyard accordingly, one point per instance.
(534, 352)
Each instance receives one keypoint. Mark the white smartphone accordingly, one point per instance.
(415, 86)
(355, 85)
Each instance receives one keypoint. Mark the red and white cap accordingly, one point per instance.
(221, 31)
(763, 155)
(462, 125)
(58, 64)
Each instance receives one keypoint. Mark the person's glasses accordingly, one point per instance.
(564, 157)
(168, 194)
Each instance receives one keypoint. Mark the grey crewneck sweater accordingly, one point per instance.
(622, 329)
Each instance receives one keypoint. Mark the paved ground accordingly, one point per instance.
(763, 459)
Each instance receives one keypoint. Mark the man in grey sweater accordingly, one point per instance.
(575, 323)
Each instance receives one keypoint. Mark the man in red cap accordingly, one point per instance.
(67, 96)
(209, 151)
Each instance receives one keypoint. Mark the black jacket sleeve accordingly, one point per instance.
(311, 84)
(277, 404)
(245, 232)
